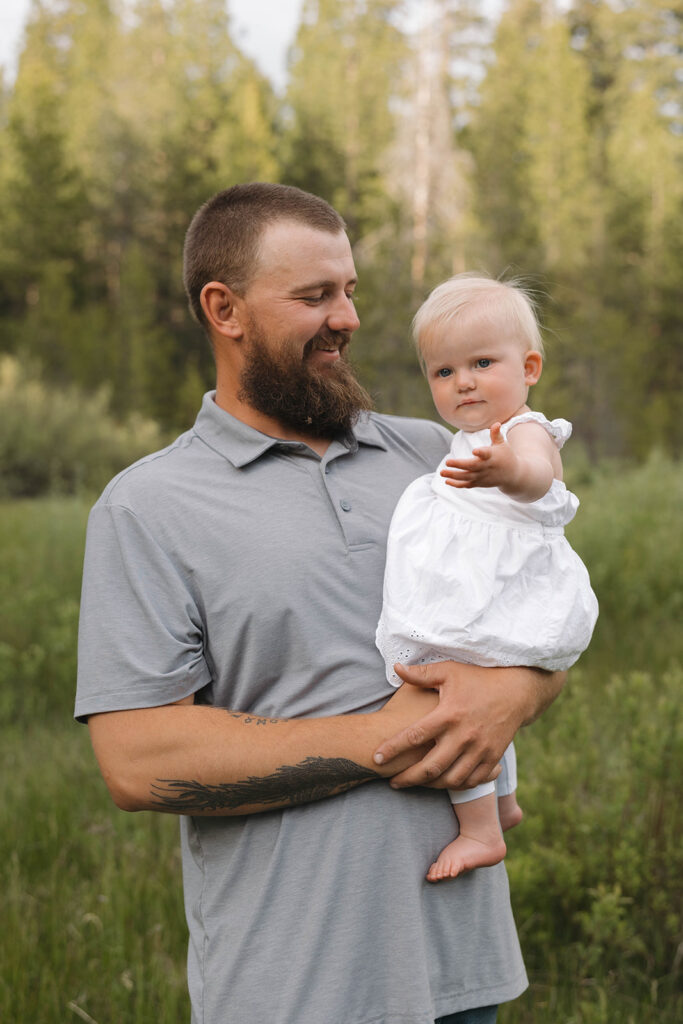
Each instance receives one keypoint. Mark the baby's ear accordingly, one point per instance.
(533, 365)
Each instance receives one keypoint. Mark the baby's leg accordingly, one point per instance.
(479, 844)
(509, 811)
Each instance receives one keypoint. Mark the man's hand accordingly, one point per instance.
(408, 705)
(479, 711)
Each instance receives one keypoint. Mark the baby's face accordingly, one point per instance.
(477, 375)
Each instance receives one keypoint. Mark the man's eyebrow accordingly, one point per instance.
(313, 285)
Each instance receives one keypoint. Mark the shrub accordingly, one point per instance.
(61, 440)
(627, 530)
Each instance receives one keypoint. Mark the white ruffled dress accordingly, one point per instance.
(475, 576)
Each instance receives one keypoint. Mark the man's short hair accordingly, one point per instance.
(223, 239)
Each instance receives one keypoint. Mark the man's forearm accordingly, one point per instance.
(312, 779)
(546, 686)
(187, 759)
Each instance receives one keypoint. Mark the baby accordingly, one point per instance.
(478, 569)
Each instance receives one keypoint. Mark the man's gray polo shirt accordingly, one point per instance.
(248, 571)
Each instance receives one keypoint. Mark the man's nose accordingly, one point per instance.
(343, 316)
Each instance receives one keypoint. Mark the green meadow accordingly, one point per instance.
(91, 903)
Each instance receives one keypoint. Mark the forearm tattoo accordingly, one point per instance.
(314, 778)
(254, 719)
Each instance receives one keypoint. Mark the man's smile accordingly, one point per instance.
(329, 349)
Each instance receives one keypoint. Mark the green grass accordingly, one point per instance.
(41, 559)
(90, 898)
(595, 868)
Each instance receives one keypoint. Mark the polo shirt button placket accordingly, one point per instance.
(345, 505)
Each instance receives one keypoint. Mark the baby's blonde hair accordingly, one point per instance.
(504, 303)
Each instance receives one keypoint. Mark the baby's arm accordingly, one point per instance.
(523, 466)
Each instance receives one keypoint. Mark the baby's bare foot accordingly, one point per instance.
(464, 854)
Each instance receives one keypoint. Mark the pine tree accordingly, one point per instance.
(44, 208)
(345, 69)
(119, 127)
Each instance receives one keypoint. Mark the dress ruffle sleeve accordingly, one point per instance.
(560, 430)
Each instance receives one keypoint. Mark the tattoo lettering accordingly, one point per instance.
(312, 779)
(254, 719)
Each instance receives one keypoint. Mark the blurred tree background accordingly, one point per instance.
(545, 144)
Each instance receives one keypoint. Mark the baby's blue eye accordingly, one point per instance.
(483, 363)
(444, 372)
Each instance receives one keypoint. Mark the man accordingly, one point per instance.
(241, 568)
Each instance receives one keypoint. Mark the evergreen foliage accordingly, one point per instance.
(547, 144)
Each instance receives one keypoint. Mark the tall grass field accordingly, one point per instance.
(90, 897)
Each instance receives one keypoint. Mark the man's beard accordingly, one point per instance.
(317, 403)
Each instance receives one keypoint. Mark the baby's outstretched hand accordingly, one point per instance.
(493, 466)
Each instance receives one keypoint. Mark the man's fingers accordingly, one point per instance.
(424, 773)
(419, 675)
(411, 738)
(457, 778)
(430, 772)
(419, 733)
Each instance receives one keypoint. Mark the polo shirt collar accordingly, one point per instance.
(241, 444)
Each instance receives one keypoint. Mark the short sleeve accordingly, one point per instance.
(140, 638)
(559, 430)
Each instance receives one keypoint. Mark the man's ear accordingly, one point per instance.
(533, 365)
(222, 309)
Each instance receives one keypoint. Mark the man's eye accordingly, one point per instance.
(444, 372)
(483, 363)
(313, 300)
